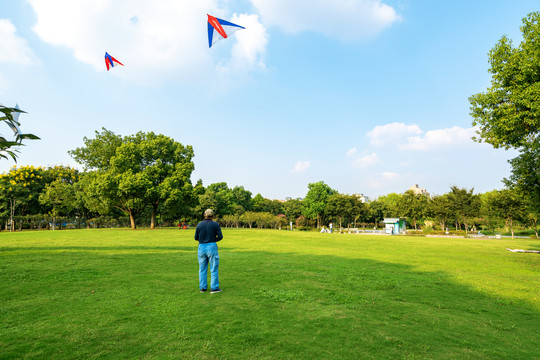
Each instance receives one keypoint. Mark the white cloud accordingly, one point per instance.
(388, 175)
(155, 41)
(367, 161)
(248, 52)
(391, 133)
(352, 151)
(301, 166)
(343, 19)
(13, 48)
(440, 138)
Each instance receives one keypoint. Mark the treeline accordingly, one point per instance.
(144, 180)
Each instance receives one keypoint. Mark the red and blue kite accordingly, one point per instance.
(223, 29)
(111, 62)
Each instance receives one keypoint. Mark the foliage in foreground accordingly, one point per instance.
(9, 148)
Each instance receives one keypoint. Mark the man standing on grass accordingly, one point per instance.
(208, 233)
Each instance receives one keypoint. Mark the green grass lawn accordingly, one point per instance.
(123, 294)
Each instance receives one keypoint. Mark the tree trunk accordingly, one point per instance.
(12, 213)
(318, 221)
(153, 220)
(132, 220)
(512, 228)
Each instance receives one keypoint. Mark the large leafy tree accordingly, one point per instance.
(508, 113)
(167, 165)
(316, 200)
(136, 171)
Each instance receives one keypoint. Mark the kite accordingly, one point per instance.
(223, 29)
(111, 62)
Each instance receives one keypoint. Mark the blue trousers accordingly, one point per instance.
(208, 253)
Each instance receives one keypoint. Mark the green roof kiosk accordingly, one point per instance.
(394, 226)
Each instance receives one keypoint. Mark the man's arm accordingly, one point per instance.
(219, 235)
(197, 233)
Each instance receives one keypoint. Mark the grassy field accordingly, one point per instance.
(122, 294)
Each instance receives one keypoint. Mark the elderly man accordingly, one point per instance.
(208, 233)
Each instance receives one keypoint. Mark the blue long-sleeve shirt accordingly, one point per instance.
(208, 231)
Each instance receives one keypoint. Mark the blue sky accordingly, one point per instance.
(369, 96)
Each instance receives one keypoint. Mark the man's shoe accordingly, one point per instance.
(215, 291)
(203, 290)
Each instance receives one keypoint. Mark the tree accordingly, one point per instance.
(224, 199)
(413, 206)
(138, 170)
(249, 217)
(391, 204)
(338, 206)
(97, 153)
(243, 198)
(341, 206)
(376, 211)
(533, 218)
(507, 205)
(7, 147)
(261, 204)
(168, 165)
(20, 189)
(60, 196)
(359, 209)
(464, 205)
(525, 176)
(507, 113)
(316, 199)
(292, 208)
(440, 209)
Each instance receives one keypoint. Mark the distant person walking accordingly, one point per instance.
(208, 233)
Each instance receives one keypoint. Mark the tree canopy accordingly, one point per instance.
(508, 113)
(136, 171)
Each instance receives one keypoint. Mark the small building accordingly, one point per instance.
(363, 198)
(417, 190)
(394, 226)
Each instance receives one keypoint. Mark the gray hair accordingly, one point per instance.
(208, 213)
